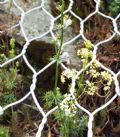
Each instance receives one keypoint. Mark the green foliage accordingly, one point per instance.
(9, 77)
(67, 115)
(8, 97)
(71, 121)
(74, 126)
(9, 80)
(4, 132)
(49, 98)
(114, 7)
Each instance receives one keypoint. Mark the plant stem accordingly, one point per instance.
(81, 78)
(60, 46)
(57, 65)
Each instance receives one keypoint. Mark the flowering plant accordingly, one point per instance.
(95, 79)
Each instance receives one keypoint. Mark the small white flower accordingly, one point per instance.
(95, 74)
(62, 79)
(106, 88)
(109, 82)
(87, 82)
(67, 23)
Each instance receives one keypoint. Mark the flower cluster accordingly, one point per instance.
(97, 77)
(88, 44)
(93, 70)
(67, 74)
(68, 105)
(90, 88)
(108, 78)
(85, 53)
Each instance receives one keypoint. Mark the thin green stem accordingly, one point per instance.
(60, 46)
(62, 27)
(81, 78)
(56, 77)
(58, 62)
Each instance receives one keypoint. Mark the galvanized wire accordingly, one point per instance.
(35, 74)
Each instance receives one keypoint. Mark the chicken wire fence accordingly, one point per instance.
(73, 83)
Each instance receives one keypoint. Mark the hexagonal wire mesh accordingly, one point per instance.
(35, 74)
